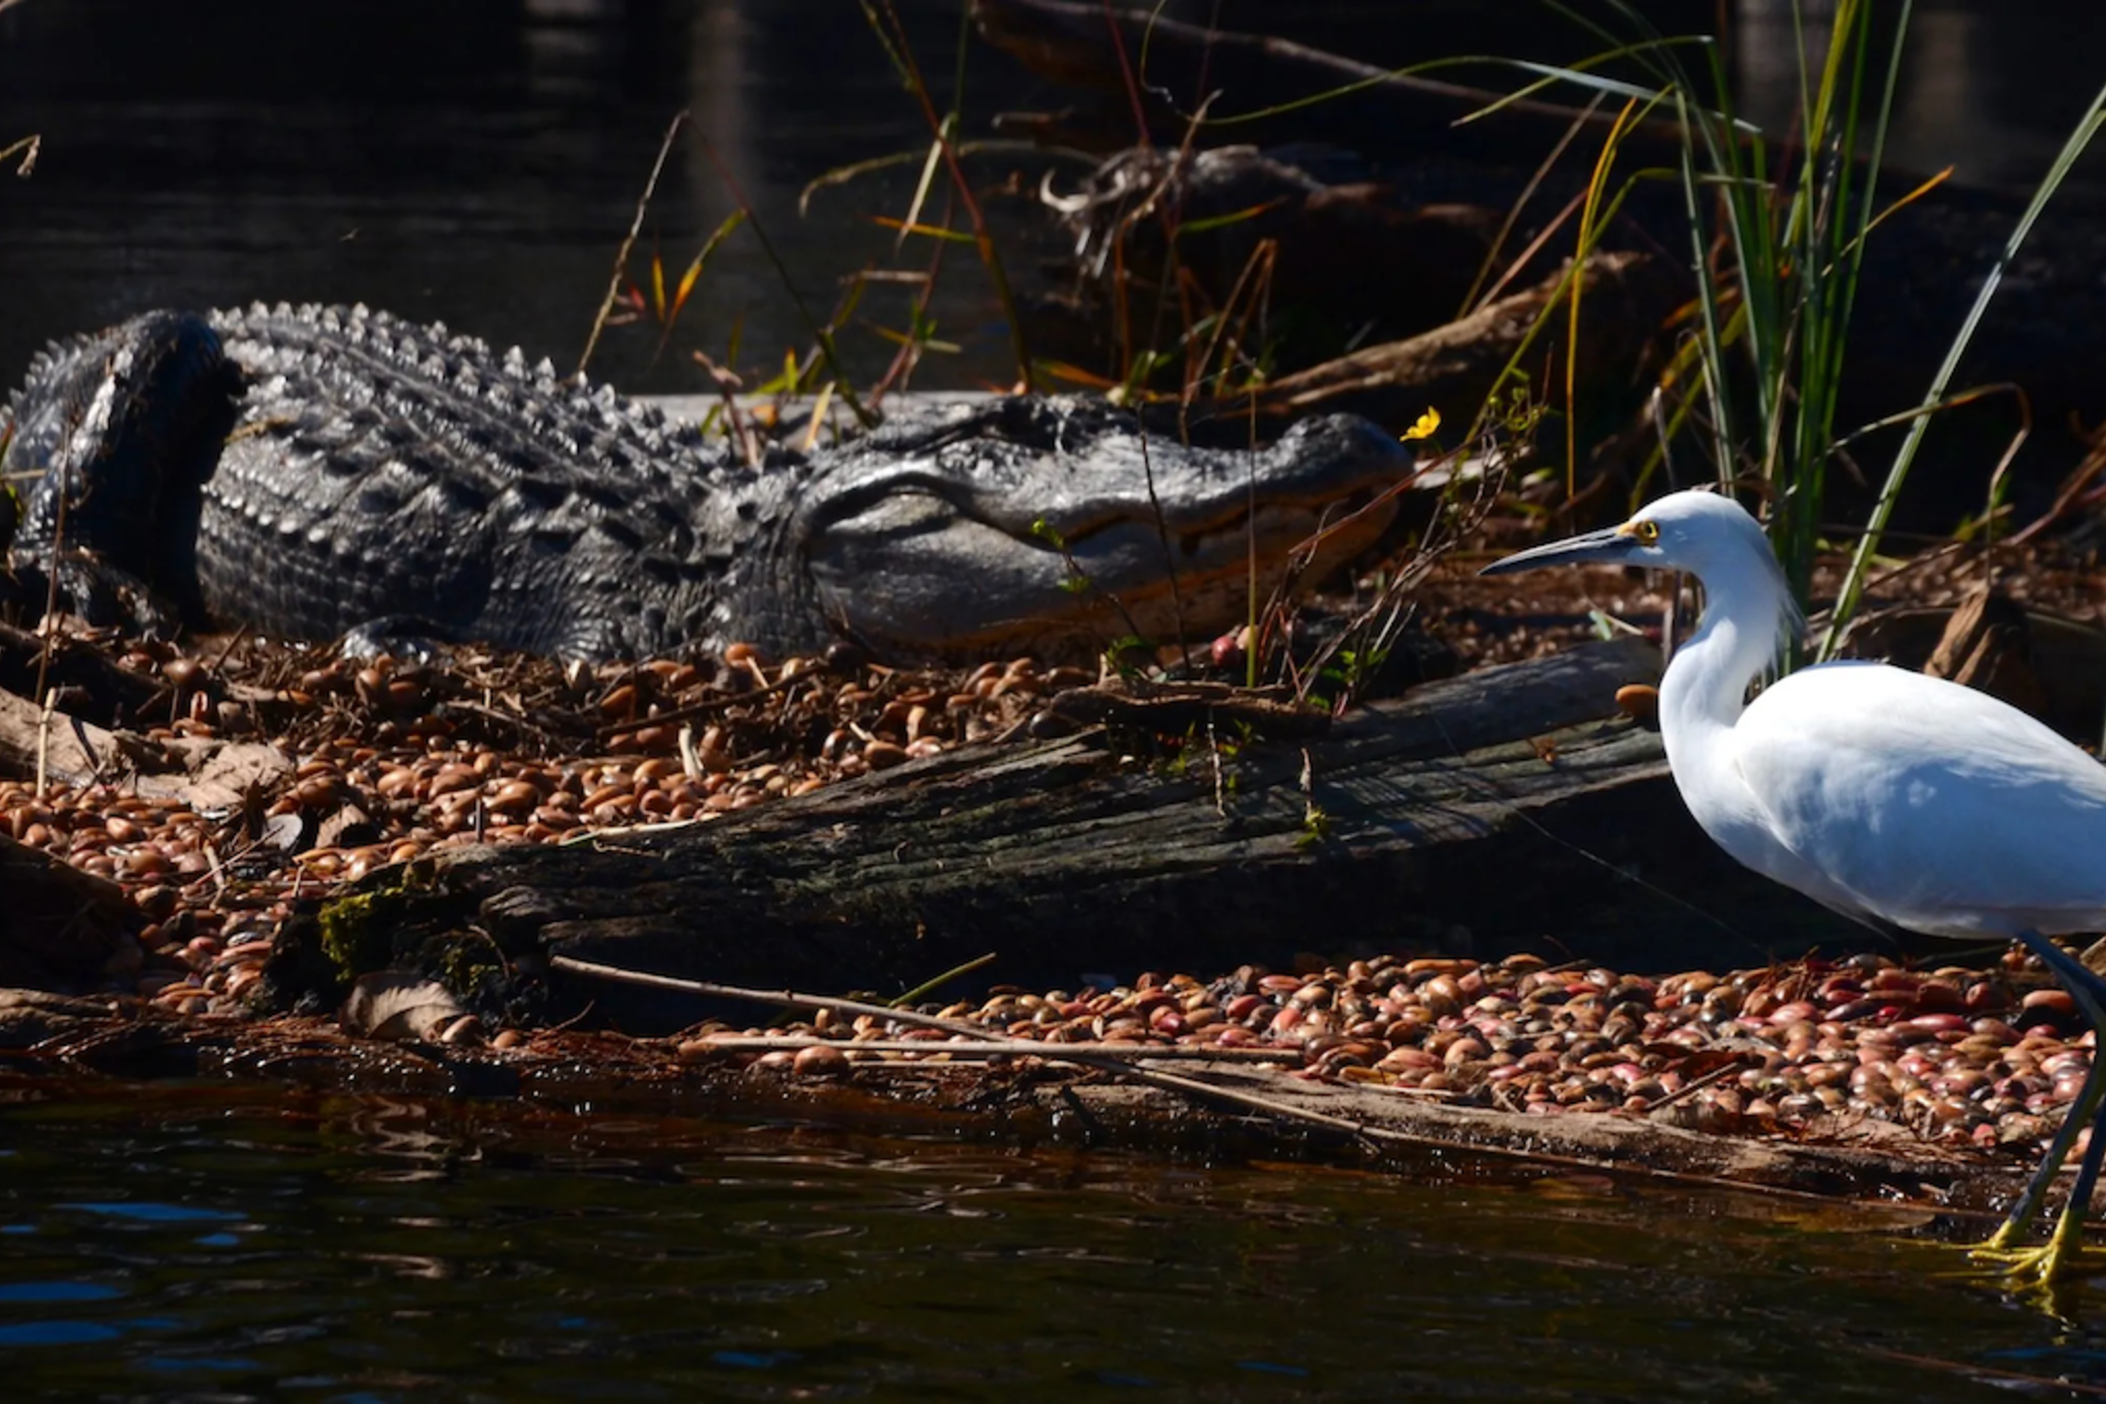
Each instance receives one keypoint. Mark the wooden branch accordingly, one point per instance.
(1624, 299)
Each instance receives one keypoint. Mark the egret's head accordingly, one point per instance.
(1700, 532)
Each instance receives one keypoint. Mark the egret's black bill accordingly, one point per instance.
(1610, 545)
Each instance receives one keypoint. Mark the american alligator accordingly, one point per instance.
(309, 472)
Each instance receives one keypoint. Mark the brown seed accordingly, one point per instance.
(452, 776)
(466, 1029)
(820, 1060)
(883, 755)
(515, 795)
(322, 792)
(1640, 703)
(2054, 1002)
(145, 863)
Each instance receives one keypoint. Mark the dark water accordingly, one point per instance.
(190, 1242)
(478, 161)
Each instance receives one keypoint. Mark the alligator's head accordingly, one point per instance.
(1057, 527)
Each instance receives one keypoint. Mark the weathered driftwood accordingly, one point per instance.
(1624, 297)
(1487, 812)
(59, 926)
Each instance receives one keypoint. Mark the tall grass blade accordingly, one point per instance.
(1883, 509)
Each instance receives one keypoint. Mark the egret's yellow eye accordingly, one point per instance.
(1646, 530)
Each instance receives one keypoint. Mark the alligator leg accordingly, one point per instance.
(116, 433)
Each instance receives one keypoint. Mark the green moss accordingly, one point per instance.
(358, 929)
(468, 967)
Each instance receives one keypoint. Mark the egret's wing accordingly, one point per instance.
(1937, 806)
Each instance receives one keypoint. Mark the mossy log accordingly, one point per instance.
(1500, 810)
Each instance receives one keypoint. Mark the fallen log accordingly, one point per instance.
(1624, 298)
(1476, 815)
(1088, 44)
(60, 927)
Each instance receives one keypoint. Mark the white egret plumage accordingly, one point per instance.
(1892, 797)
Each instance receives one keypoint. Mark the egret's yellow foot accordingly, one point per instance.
(2060, 1257)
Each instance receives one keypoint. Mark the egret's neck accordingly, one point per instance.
(1706, 685)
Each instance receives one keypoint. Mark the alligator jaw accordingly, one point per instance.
(1060, 562)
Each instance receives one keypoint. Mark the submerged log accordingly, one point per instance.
(1486, 813)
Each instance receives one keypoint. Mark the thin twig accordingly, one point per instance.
(821, 333)
(621, 259)
(983, 1048)
(921, 991)
(1154, 1077)
(44, 742)
(1690, 1089)
(788, 999)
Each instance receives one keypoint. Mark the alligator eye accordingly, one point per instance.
(1646, 530)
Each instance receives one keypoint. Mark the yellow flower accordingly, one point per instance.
(1428, 422)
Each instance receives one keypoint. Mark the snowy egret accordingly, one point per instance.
(1895, 798)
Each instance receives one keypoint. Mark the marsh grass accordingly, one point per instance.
(1778, 232)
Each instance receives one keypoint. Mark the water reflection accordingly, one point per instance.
(274, 1241)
